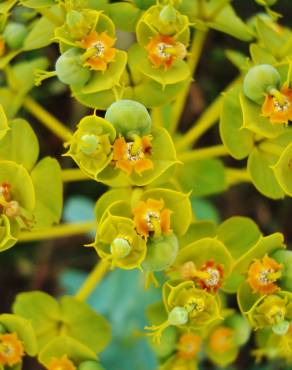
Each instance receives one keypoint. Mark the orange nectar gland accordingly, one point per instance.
(132, 156)
(263, 274)
(189, 345)
(164, 50)
(99, 52)
(151, 218)
(221, 340)
(62, 363)
(209, 276)
(278, 105)
(8, 206)
(11, 349)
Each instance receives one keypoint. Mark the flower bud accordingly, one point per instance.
(14, 34)
(70, 70)
(90, 365)
(120, 248)
(161, 253)
(178, 316)
(259, 80)
(129, 117)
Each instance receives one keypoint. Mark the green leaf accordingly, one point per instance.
(238, 234)
(24, 330)
(41, 35)
(259, 166)
(101, 81)
(21, 184)
(202, 177)
(20, 144)
(3, 124)
(49, 199)
(238, 140)
(228, 22)
(35, 4)
(260, 55)
(63, 345)
(44, 313)
(124, 15)
(22, 77)
(268, 37)
(84, 324)
(283, 170)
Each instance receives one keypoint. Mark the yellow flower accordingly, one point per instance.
(164, 50)
(99, 52)
(11, 349)
(129, 156)
(62, 363)
(151, 217)
(278, 106)
(262, 275)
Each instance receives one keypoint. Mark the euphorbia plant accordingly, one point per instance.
(128, 67)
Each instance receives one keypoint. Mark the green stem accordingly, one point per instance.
(74, 174)
(59, 231)
(194, 56)
(92, 280)
(208, 118)
(218, 9)
(204, 153)
(47, 119)
(235, 176)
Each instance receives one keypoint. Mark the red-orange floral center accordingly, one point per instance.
(214, 274)
(278, 106)
(189, 346)
(134, 155)
(8, 206)
(2, 46)
(11, 349)
(63, 363)
(99, 51)
(151, 218)
(221, 339)
(263, 274)
(164, 50)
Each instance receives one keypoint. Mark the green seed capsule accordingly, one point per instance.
(14, 34)
(89, 144)
(74, 18)
(69, 69)
(178, 316)
(120, 248)
(161, 253)
(281, 328)
(129, 117)
(259, 80)
(168, 14)
(90, 365)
